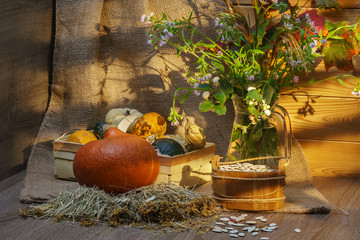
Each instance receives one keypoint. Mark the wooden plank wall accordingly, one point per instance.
(25, 30)
(326, 117)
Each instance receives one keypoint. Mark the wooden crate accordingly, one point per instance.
(189, 169)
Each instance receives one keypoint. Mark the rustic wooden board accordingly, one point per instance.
(332, 158)
(333, 118)
(343, 3)
(342, 193)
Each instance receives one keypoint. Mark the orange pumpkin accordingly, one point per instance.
(118, 163)
(82, 136)
(149, 124)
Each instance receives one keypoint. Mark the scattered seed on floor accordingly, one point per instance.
(217, 230)
(241, 234)
(233, 235)
(297, 230)
(254, 233)
(225, 219)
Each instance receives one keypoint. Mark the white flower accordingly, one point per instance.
(250, 88)
(267, 112)
(142, 19)
(215, 81)
(288, 26)
(286, 16)
(206, 95)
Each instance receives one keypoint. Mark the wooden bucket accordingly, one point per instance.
(250, 191)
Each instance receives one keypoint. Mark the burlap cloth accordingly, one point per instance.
(102, 61)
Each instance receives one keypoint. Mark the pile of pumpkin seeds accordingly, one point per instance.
(170, 207)
(246, 167)
(239, 226)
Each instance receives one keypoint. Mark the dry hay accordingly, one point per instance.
(170, 207)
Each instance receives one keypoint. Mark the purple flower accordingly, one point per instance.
(323, 41)
(217, 21)
(162, 43)
(312, 45)
(296, 79)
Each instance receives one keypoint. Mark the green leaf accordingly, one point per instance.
(204, 87)
(185, 96)
(340, 81)
(205, 106)
(268, 94)
(178, 51)
(218, 65)
(254, 94)
(257, 51)
(255, 112)
(335, 37)
(226, 87)
(327, 4)
(220, 109)
(257, 135)
(220, 96)
(206, 45)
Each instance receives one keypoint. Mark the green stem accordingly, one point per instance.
(323, 80)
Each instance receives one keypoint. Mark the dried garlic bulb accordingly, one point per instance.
(195, 137)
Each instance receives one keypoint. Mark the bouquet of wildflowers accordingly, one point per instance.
(253, 63)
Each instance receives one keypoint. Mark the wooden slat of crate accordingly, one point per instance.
(189, 169)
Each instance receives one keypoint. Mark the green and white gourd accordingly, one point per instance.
(124, 118)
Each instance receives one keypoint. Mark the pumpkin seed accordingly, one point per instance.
(225, 219)
(220, 223)
(251, 222)
(297, 230)
(241, 234)
(263, 220)
(233, 235)
(238, 224)
(255, 233)
(259, 218)
(251, 229)
(224, 230)
(264, 238)
(234, 231)
(272, 224)
(217, 230)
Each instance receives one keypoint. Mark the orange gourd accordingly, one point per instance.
(82, 136)
(118, 163)
(149, 124)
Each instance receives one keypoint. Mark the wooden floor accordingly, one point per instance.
(341, 192)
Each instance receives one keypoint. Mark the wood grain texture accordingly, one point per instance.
(332, 158)
(25, 28)
(342, 193)
(324, 118)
